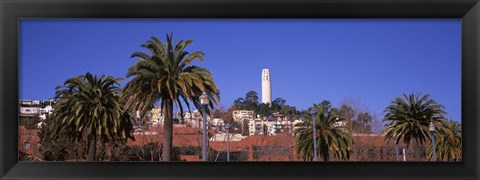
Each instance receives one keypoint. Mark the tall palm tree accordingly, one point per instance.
(167, 76)
(88, 107)
(448, 141)
(331, 136)
(409, 119)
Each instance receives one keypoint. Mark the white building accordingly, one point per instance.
(266, 87)
(283, 126)
(194, 119)
(36, 108)
(297, 121)
(223, 137)
(260, 127)
(29, 111)
(25, 102)
(44, 112)
(218, 124)
(156, 116)
(255, 127)
(241, 115)
(271, 128)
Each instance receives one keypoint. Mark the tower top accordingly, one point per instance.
(265, 74)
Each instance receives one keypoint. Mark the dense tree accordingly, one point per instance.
(29, 122)
(252, 97)
(223, 113)
(88, 107)
(359, 118)
(363, 123)
(239, 103)
(60, 146)
(348, 113)
(251, 100)
(287, 110)
(278, 103)
(408, 119)
(331, 138)
(245, 128)
(167, 76)
(264, 109)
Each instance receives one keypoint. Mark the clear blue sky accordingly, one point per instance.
(309, 60)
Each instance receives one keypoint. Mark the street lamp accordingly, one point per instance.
(313, 112)
(204, 101)
(431, 127)
(227, 126)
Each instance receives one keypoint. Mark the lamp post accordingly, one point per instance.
(313, 112)
(227, 126)
(204, 101)
(431, 127)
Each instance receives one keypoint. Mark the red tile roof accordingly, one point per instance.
(183, 136)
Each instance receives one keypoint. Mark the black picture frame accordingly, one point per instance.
(11, 11)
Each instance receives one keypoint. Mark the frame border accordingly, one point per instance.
(12, 11)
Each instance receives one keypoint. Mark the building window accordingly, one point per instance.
(27, 136)
(26, 145)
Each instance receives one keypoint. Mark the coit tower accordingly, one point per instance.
(266, 87)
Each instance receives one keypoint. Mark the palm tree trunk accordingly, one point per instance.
(92, 143)
(325, 153)
(167, 131)
(417, 150)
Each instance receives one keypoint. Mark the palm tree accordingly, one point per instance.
(409, 119)
(448, 141)
(331, 136)
(88, 107)
(166, 76)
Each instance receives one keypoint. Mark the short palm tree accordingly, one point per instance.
(88, 107)
(409, 119)
(331, 137)
(166, 76)
(448, 141)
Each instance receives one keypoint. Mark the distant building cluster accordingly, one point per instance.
(271, 126)
(268, 126)
(36, 109)
(194, 119)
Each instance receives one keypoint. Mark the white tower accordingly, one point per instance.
(266, 87)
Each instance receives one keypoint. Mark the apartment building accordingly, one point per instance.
(241, 115)
(194, 119)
